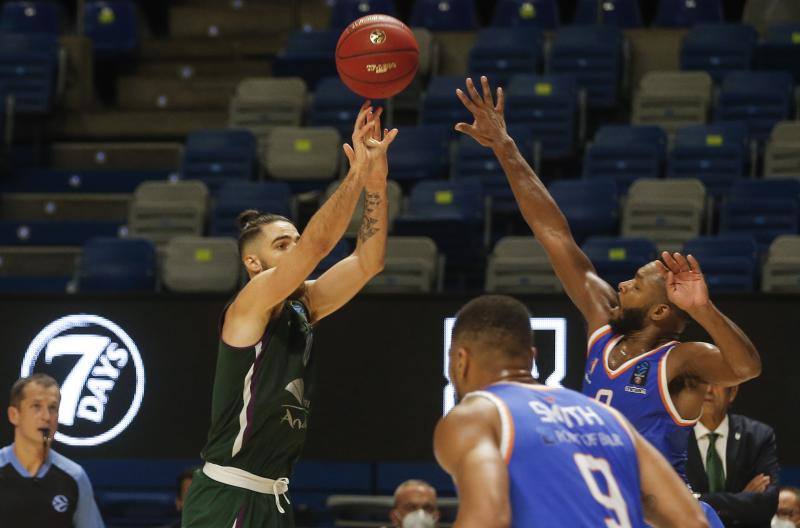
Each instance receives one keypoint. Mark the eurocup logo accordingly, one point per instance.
(100, 372)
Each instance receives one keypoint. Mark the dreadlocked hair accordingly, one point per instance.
(250, 222)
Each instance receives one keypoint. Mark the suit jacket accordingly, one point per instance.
(751, 450)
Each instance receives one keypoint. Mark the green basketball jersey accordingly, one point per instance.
(260, 404)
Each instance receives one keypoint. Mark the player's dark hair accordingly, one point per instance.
(18, 388)
(250, 222)
(499, 320)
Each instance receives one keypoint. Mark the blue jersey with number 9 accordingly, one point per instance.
(571, 461)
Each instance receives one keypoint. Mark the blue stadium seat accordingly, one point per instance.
(444, 15)
(625, 153)
(549, 106)
(117, 265)
(28, 70)
(234, 197)
(440, 106)
(335, 105)
(762, 208)
(593, 54)
(137, 508)
(529, 13)
(308, 55)
(617, 259)
(340, 251)
(34, 284)
(688, 13)
(623, 14)
(343, 12)
(217, 156)
(591, 206)
(500, 53)
(62, 233)
(759, 99)
(83, 181)
(719, 49)
(780, 50)
(473, 160)
(419, 153)
(729, 262)
(715, 154)
(31, 17)
(452, 214)
(113, 27)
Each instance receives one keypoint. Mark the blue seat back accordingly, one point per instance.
(593, 54)
(335, 105)
(729, 262)
(339, 252)
(619, 13)
(444, 15)
(308, 55)
(618, 259)
(420, 153)
(528, 13)
(31, 17)
(116, 264)
(112, 26)
(719, 49)
(688, 13)
(216, 156)
(462, 199)
(500, 53)
(626, 153)
(61, 233)
(74, 181)
(591, 206)
(343, 12)
(28, 68)
(760, 99)
(548, 106)
(440, 106)
(763, 209)
(234, 197)
(779, 50)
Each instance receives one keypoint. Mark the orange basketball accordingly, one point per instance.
(377, 56)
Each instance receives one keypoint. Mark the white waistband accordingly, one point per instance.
(244, 479)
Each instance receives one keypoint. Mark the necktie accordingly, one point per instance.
(714, 469)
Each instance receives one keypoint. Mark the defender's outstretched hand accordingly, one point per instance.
(489, 125)
(686, 286)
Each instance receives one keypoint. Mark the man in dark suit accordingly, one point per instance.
(733, 463)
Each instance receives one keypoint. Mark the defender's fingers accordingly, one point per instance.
(487, 91)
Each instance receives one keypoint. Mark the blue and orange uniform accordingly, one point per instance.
(571, 461)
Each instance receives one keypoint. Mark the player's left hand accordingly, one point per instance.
(377, 143)
(686, 286)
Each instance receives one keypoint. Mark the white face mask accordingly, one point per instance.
(419, 519)
(781, 522)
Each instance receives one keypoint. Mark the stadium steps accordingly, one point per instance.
(115, 156)
(138, 125)
(203, 69)
(142, 93)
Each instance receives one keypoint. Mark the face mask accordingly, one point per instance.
(779, 522)
(419, 519)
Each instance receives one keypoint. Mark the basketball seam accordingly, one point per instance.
(404, 50)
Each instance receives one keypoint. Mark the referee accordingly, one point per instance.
(38, 487)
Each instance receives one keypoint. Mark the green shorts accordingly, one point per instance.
(212, 504)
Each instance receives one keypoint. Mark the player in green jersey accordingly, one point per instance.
(262, 386)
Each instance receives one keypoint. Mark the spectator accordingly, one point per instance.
(733, 463)
(788, 515)
(414, 505)
(38, 487)
(184, 481)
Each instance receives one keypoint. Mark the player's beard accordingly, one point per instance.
(630, 320)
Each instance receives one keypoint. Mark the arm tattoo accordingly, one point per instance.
(369, 223)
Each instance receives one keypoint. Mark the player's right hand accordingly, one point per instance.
(357, 153)
(489, 125)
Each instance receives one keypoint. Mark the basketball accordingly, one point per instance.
(377, 56)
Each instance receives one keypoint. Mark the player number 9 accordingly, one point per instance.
(613, 500)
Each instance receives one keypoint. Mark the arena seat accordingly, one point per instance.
(763, 209)
(31, 17)
(759, 99)
(719, 49)
(717, 155)
(729, 262)
(623, 14)
(590, 206)
(343, 12)
(617, 259)
(762, 14)
(782, 156)
(47, 233)
(79, 181)
(29, 66)
(683, 13)
(672, 99)
(528, 13)
(519, 264)
(341, 250)
(137, 508)
(551, 106)
(440, 106)
(261, 103)
(201, 264)
(625, 153)
(117, 265)
(444, 15)
(45, 268)
(112, 26)
(412, 265)
(781, 272)
(500, 53)
(162, 210)
(668, 212)
(234, 197)
(303, 156)
(594, 55)
(335, 105)
(218, 156)
(779, 50)
(307, 55)
(419, 153)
